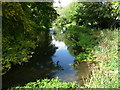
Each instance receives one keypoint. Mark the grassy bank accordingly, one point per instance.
(89, 45)
(105, 74)
(99, 46)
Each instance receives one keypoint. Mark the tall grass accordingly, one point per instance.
(100, 46)
(105, 74)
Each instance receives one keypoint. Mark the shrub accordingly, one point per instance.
(47, 83)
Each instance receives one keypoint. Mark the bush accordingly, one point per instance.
(100, 46)
(47, 83)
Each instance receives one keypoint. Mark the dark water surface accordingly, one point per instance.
(47, 65)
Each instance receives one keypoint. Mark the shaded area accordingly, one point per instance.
(83, 70)
(39, 66)
(51, 59)
(75, 70)
(22, 24)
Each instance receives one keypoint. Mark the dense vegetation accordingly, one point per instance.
(105, 74)
(91, 36)
(22, 26)
(99, 48)
(47, 83)
(102, 48)
(90, 14)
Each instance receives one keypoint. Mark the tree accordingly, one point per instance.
(22, 26)
(92, 14)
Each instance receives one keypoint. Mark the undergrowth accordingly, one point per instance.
(105, 74)
(99, 46)
(47, 83)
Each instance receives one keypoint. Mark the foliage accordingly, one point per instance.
(100, 13)
(102, 79)
(92, 14)
(23, 24)
(66, 15)
(116, 10)
(47, 83)
(13, 35)
(105, 74)
(42, 13)
(79, 41)
(99, 46)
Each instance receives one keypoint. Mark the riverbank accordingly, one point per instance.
(105, 74)
(99, 47)
(22, 32)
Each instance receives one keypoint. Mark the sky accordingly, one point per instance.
(63, 2)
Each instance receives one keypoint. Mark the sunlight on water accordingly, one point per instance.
(60, 45)
(65, 60)
(46, 65)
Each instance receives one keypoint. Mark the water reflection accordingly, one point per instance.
(66, 52)
(71, 70)
(50, 60)
(65, 60)
(39, 66)
(83, 71)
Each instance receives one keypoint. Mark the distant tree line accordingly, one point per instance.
(92, 14)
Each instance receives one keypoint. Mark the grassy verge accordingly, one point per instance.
(99, 46)
(105, 74)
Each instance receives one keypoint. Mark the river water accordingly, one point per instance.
(60, 64)
(65, 60)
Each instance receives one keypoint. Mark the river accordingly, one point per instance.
(58, 64)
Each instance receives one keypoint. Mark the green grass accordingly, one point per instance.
(47, 83)
(100, 46)
(105, 74)
(102, 79)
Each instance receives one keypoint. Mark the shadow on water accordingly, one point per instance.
(51, 59)
(83, 70)
(39, 66)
